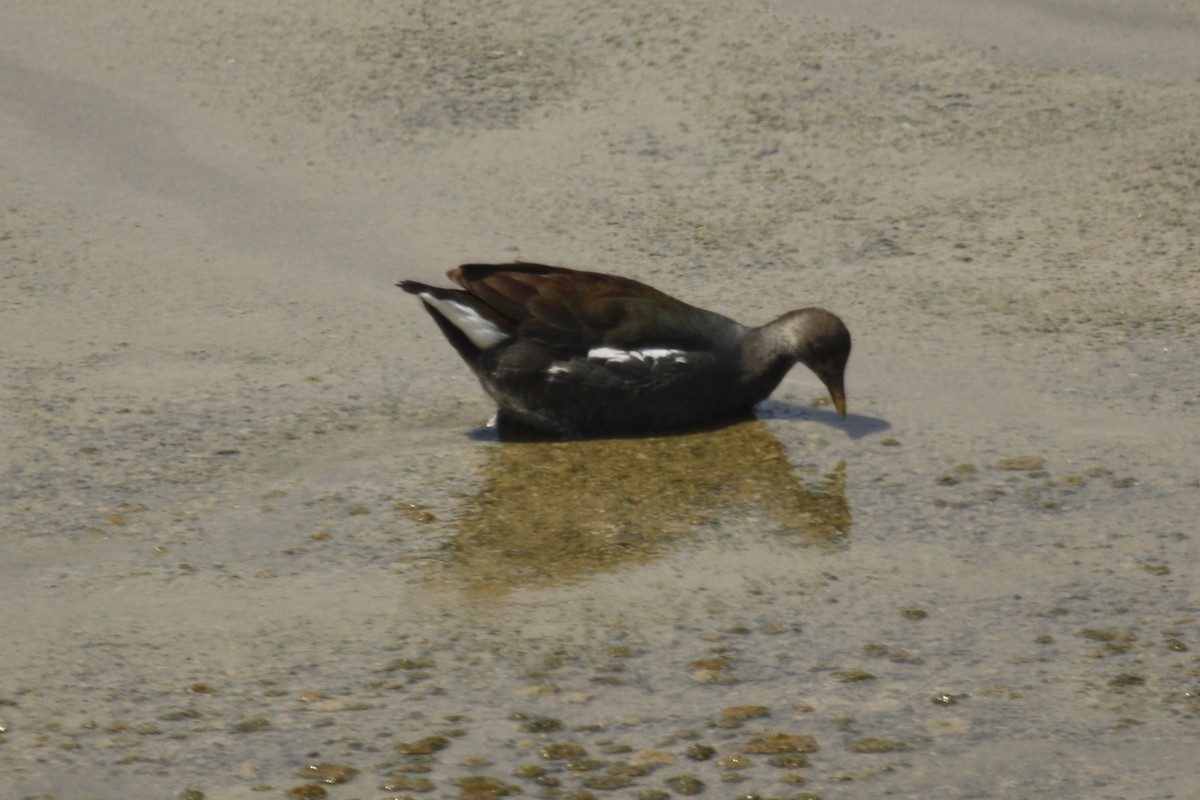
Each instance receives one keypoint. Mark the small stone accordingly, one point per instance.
(1127, 679)
(685, 784)
(251, 725)
(1021, 463)
(745, 712)
(607, 783)
(542, 725)
(788, 760)
(562, 751)
(715, 664)
(409, 783)
(781, 743)
(651, 758)
(871, 744)
(423, 747)
(734, 761)
(529, 771)
(482, 787)
(328, 773)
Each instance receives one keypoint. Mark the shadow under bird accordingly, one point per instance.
(577, 353)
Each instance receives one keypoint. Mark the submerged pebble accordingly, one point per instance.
(562, 751)
(1021, 463)
(685, 784)
(871, 744)
(779, 742)
(328, 773)
(423, 747)
(482, 787)
(408, 783)
(788, 760)
(745, 712)
(251, 725)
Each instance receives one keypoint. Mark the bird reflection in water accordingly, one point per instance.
(549, 512)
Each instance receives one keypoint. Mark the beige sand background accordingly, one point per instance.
(248, 522)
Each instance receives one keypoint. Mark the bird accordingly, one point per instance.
(580, 354)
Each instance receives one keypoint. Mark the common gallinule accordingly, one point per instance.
(580, 353)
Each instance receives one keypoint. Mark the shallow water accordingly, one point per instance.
(251, 524)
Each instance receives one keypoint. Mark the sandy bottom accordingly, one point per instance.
(252, 538)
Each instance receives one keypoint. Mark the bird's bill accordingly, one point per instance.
(837, 393)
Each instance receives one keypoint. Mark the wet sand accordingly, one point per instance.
(249, 520)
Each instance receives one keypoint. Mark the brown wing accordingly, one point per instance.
(571, 307)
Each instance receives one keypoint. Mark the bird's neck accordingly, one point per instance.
(773, 344)
(767, 355)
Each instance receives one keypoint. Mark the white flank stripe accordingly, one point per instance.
(609, 354)
(661, 352)
(480, 331)
(649, 354)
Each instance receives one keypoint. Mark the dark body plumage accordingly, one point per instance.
(581, 353)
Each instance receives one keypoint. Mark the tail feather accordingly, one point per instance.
(469, 323)
(413, 287)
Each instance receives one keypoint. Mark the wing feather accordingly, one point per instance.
(577, 310)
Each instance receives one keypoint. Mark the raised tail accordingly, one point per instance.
(469, 323)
